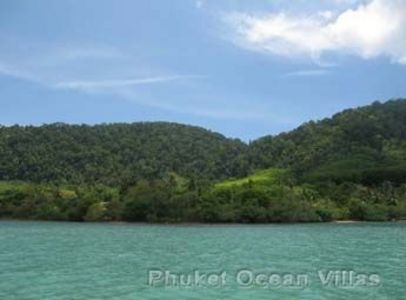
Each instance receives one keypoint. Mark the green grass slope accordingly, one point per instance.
(263, 177)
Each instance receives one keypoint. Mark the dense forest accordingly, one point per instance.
(350, 166)
(364, 145)
(116, 153)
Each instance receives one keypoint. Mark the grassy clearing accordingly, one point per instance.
(12, 185)
(263, 177)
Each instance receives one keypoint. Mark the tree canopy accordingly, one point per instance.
(366, 145)
(113, 154)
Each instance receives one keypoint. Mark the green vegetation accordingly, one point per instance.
(116, 154)
(352, 166)
(365, 145)
(263, 177)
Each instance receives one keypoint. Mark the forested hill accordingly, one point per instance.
(116, 153)
(350, 166)
(366, 145)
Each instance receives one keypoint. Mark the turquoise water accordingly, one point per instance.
(46, 260)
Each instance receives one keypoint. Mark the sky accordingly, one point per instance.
(242, 68)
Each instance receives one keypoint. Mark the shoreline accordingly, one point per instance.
(343, 222)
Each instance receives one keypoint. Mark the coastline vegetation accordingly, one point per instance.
(168, 200)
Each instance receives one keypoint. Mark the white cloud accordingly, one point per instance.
(118, 83)
(346, 1)
(377, 28)
(9, 71)
(86, 85)
(198, 106)
(86, 68)
(199, 3)
(326, 14)
(307, 73)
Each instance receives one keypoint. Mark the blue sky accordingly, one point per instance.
(242, 68)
